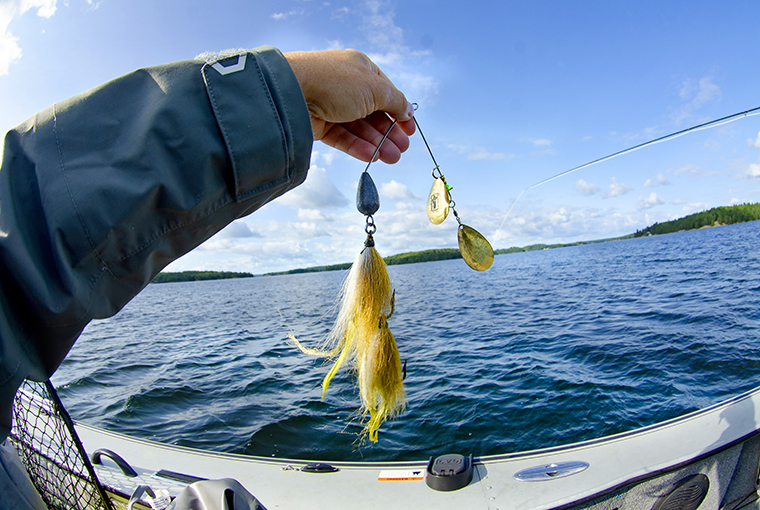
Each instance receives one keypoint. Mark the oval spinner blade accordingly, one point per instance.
(438, 202)
(475, 249)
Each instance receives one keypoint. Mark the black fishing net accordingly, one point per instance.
(50, 450)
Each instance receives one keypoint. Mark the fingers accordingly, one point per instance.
(350, 100)
(361, 138)
(408, 126)
(342, 139)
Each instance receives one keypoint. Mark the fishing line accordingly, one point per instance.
(672, 136)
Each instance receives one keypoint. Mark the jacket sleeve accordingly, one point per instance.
(100, 192)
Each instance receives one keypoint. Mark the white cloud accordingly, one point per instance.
(416, 86)
(558, 224)
(697, 93)
(662, 180)
(326, 156)
(645, 134)
(282, 16)
(399, 62)
(482, 154)
(540, 144)
(695, 206)
(755, 143)
(312, 215)
(236, 230)
(396, 191)
(317, 192)
(461, 149)
(659, 180)
(585, 188)
(686, 169)
(339, 13)
(10, 51)
(381, 30)
(616, 188)
(262, 254)
(307, 230)
(335, 44)
(702, 93)
(649, 202)
(753, 170)
(478, 153)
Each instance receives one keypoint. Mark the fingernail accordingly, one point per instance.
(410, 110)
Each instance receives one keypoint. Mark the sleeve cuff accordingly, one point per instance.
(263, 118)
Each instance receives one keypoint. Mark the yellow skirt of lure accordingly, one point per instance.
(361, 336)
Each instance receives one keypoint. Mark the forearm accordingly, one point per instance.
(100, 192)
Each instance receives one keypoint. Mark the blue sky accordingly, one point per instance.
(510, 93)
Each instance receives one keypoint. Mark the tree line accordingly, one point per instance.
(725, 215)
(194, 276)
(400, 258)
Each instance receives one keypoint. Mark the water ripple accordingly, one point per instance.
(543, 349)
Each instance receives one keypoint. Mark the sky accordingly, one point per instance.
(510, 93)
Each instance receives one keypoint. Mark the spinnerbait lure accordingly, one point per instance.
(361, 335)
(475, 249)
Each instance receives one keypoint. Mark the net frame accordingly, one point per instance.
(51, 451)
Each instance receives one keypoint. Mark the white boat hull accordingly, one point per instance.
(634, 470)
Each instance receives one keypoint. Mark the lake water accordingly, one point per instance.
(545, 348)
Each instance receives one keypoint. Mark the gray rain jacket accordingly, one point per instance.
(100, 192)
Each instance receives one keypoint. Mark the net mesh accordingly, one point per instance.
(52, 453)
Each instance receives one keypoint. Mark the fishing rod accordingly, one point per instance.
(707, 125)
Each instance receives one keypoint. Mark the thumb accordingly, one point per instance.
(391, 100)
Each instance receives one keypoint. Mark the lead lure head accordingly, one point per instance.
(438, 201)
(367, 198)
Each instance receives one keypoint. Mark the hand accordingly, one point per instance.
(352, 103)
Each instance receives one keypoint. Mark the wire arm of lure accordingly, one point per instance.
(437, 168)
(377, 149)
(476, 251)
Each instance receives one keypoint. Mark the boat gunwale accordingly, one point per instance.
(656, 473)
(483, 460)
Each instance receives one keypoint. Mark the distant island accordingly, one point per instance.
(413, 257)
(714, 217)
(194, 276)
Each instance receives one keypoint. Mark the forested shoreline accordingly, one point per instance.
(716, 216)
(194, 276)
(414, 257)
